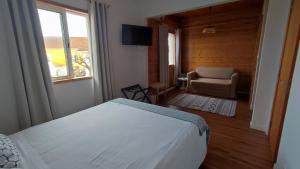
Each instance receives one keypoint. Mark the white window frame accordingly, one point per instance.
(66, 39)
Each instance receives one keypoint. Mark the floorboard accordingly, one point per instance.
(233, 145)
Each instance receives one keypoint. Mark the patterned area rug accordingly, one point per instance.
(208, 104)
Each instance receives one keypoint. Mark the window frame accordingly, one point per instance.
(62, 11)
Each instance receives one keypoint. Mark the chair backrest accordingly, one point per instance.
(215, 72)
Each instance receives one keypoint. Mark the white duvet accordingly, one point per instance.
(112, 136)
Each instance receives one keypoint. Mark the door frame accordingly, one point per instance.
(284, 80)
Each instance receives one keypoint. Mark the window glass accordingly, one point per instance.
(172, 48)
(79, 44)
(54, 42)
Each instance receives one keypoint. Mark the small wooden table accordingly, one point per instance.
(183, 81)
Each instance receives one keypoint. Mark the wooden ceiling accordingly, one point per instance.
(242, 4)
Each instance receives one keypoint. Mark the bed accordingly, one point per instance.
(119, 134)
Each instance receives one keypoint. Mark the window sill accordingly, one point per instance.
(72, 80)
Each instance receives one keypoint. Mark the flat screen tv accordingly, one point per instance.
(136, 35)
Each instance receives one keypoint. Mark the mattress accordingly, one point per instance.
(112, 136)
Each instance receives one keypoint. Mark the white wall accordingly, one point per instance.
(129, 63)
(162, 7)
(8, 115)
(289, 150)
(263, 22)
(74, 96)
(273, 42)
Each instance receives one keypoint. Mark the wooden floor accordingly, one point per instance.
(233, 145)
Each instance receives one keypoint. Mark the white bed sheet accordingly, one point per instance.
(112, 136)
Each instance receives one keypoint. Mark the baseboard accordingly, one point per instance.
(278, 166)
(258, 127)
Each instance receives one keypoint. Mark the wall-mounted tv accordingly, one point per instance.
(136, 35)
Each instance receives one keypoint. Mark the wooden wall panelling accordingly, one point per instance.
(235, 43)
(241, 4)
(153, 58)
(232, 46)
(173, 23)
(171, 75)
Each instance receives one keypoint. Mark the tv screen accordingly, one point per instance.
(136, 35)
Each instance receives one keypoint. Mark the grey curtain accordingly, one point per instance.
(163, 55)
(178, 54)
(31, 77)
(100, 52)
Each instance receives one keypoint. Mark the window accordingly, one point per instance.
(66, 41)
(172, 48)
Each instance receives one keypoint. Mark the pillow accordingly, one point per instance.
(9, 154)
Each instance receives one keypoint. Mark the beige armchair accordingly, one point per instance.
(213, 81)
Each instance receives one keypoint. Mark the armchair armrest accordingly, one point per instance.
(234, 77)
(234, 81)
(190, 76)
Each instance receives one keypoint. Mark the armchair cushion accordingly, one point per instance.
(207, 85)
(211, 81)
